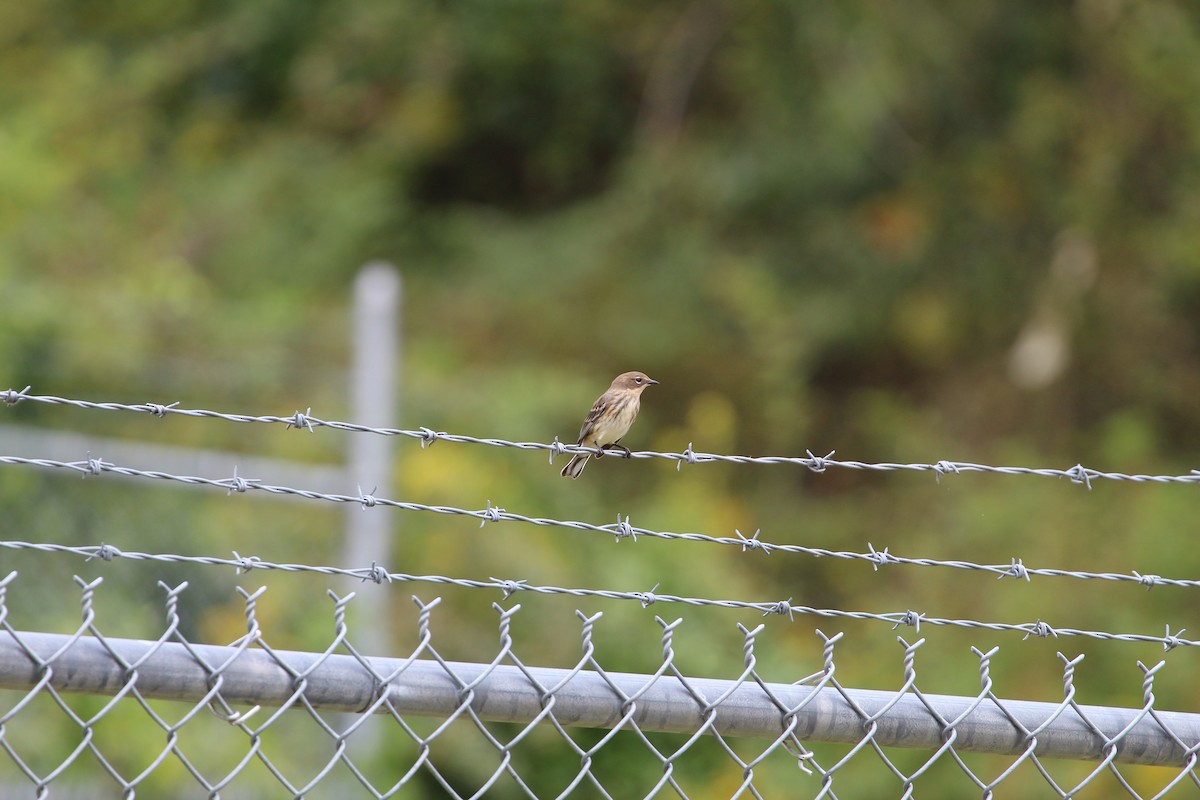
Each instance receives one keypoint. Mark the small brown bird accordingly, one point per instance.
(610, 419)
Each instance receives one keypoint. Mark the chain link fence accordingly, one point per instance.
(285, 722)
(87, 711)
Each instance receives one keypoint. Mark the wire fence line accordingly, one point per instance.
(621, 529)
(710, 718)
(427, 436)
(745, 723)
(378, 573)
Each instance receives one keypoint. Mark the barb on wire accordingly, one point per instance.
(508, 587)
(1077, 473)
(621, 529)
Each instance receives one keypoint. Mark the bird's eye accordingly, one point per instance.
(637, 380)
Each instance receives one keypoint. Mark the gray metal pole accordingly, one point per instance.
(376, 329)
(586, 699)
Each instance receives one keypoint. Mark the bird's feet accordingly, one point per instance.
(626, 452)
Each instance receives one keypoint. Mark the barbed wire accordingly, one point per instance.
(304, 420)
(946, 728)
(378, 573)
(621, 529)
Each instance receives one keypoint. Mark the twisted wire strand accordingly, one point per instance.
(380, 574)
(427, 436)
(621, 529)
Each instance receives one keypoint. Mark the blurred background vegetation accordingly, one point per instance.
(907, 232)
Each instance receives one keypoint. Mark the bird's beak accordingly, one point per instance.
(651, 381)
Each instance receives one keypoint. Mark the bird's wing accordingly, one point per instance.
(589, 422)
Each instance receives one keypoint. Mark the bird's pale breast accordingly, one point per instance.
(612, 426)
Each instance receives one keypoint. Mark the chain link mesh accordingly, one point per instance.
(251, 719)
(90, 713)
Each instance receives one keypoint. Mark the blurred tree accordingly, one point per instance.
(904, 232)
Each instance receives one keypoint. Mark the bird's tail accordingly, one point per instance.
(575, 466)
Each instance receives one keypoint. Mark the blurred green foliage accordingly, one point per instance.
(964, 231)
